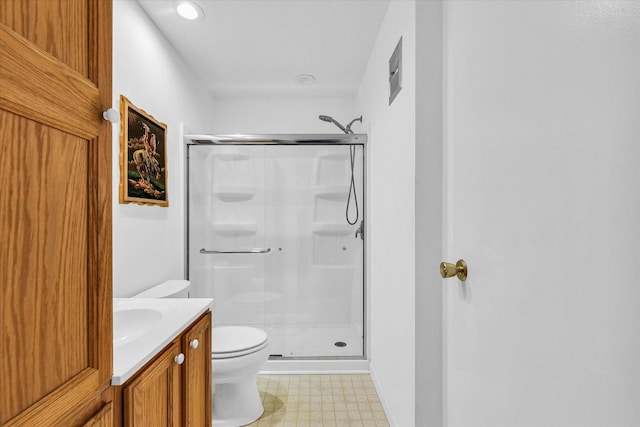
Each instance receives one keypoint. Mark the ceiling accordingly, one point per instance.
(256, 48)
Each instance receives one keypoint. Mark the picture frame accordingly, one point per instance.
(143, 157)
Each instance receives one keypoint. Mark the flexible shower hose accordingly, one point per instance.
(352, 188)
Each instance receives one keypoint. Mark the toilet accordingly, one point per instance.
(238, 353)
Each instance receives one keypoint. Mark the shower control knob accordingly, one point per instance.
(194, 344)
(179, 359)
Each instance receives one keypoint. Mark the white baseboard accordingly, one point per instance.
(383, 399)
(274, 367)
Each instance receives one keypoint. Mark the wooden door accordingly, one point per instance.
(104, 417)
(153, 399)
(196, 345)
(55, 208)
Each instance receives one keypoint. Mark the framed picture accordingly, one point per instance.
(143, 157)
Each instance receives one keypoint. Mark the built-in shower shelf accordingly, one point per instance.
(235, 229)
(234, 193)
(332, 193)
(330, 229)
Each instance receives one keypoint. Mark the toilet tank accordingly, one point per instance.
(168, 289)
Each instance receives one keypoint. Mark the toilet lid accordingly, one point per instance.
(234, 341)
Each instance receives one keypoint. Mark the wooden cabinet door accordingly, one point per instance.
(153, 398)
(196, 345)
(55, 208)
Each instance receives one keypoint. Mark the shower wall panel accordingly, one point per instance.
(307, 290)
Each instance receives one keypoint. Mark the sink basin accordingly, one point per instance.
(135, 318)
(131, 323)
(142, 327)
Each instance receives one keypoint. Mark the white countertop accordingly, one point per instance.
(175, 315)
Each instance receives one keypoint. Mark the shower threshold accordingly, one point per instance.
(320, 350)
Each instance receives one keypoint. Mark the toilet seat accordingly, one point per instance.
(235, 341)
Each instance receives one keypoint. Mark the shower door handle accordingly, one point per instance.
(245, 251)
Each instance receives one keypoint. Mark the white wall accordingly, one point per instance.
(429, 205)
(390, 213)
(148, 241)
(543, 131)
(281, 115)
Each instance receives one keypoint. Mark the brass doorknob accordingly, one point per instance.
(449, 270)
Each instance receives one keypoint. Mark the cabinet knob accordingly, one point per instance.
(194, 344)
(179, 359)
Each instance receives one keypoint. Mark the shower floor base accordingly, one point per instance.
(314, 341)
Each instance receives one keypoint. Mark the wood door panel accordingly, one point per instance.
(44, 226)
(36, 85)
(104, 418)
(100, 256)
(55, 209)
(54, 409)
(39, 20)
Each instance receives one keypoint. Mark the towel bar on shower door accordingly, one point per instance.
(246, 251)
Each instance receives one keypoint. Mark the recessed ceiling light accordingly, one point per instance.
(189, 10)
(305, 79)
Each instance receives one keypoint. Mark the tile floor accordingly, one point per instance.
(319, 401)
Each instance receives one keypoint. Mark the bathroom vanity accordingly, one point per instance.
(162, 376)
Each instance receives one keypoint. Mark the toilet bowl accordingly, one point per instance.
(238, 353)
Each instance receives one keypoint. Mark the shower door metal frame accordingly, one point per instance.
(278, 139)
(292, 140)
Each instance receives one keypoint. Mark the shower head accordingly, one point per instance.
(347, 129)
(331, 120)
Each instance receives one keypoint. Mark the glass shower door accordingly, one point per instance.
(227, 248)
(294, 266)
(317, 269)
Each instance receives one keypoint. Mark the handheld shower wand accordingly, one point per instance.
(331, 120)
(352, 184)
(347, 129)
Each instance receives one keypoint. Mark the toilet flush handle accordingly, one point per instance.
(194, 344)
(179, 359)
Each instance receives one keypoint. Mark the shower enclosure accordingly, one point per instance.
(269, 238)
